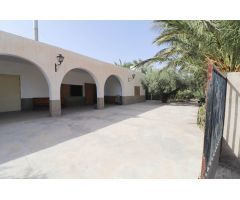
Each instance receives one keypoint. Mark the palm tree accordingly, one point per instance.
(134, 65)
(123, 64)
(194, 44)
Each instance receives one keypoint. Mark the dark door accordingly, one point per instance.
(90, 94)
(65, 93)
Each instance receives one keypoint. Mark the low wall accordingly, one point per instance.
(113, 100)
(26, 104)
(74, 101)
(132, 99)
(231, 133)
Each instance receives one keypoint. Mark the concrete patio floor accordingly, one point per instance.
(145, 140)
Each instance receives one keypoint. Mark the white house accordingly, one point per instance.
(31, 76)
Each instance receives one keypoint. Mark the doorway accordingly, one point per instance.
(90, 94)
(10, 98)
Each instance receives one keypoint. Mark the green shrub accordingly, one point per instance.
(199, 94)
(201, 117)
(184, 95)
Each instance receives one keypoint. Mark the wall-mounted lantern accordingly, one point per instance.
(131, 78)
(60, 59)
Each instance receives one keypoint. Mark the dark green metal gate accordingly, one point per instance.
(215, 113)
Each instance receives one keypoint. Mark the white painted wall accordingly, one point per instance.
(135, 82)
(77, 77)
(33, 83)
(44, 56)
(112, 87)
(232, 113)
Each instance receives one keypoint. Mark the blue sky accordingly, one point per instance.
(105, 40)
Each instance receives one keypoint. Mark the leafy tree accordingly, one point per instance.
(164, 83)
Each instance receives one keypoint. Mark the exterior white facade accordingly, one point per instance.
(231, 132)
(35, 63)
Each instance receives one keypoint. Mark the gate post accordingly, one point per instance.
(209, 79)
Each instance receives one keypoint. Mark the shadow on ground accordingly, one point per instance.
(23, 133)
(229, 164)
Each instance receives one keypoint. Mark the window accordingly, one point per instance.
(136, 90)
(76, 90)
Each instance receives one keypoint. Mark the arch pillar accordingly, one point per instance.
(54, 99)
(55, 107)
(100, 102)
(100, 96)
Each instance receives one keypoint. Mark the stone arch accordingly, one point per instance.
(86, 86)
(17, 60)
(33, 63)
(113, 89)
(96, 80)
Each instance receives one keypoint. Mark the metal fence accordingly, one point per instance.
(215, 112)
